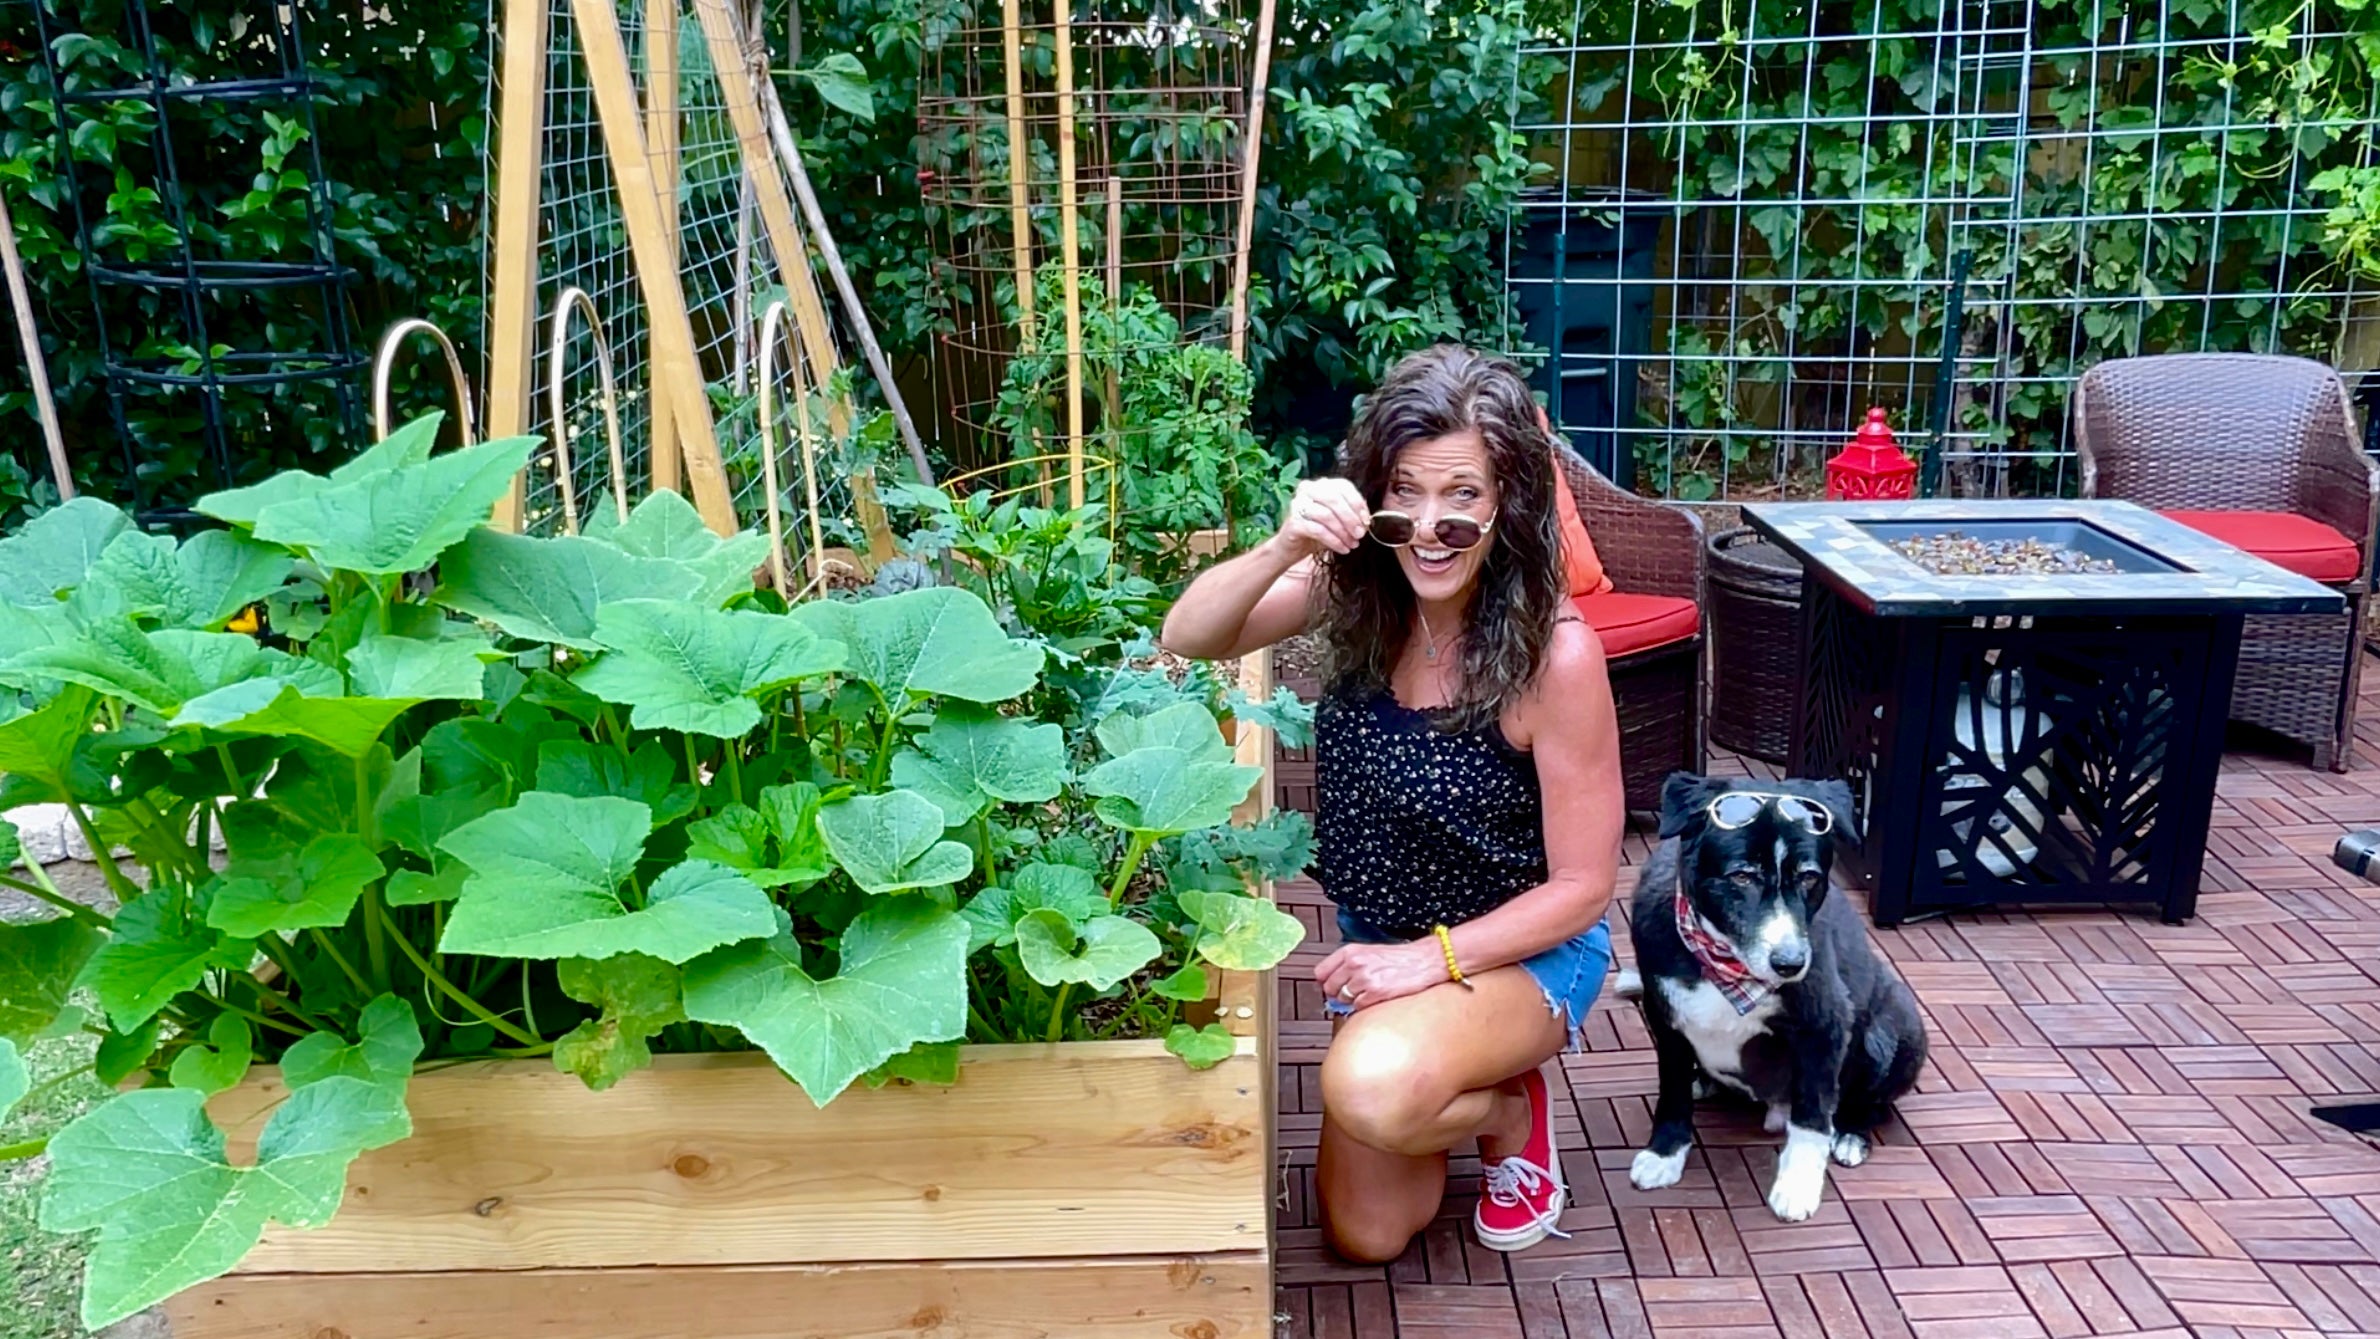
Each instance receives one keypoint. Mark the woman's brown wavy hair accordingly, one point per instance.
(1367, 606)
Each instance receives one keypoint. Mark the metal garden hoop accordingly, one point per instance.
(385, 359)
(557, 340)
(772, 321)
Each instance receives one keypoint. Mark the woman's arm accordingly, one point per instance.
(1569, 726)
(1261, 596)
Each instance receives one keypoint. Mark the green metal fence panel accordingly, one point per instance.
(1755, 215)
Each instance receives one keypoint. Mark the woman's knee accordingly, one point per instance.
(1368, 1239)
(1383, 1091)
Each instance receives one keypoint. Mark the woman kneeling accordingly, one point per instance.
(1468, 772)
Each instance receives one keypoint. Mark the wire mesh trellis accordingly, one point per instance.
(726, 269)
(1757, 213)
(1139, 172)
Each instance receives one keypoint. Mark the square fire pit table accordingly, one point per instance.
(2025, 737)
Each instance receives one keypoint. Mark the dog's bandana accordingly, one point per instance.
(1720, 966)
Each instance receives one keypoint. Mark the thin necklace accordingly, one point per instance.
(1429, 643)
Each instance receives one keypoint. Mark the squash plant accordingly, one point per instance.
(373, 783)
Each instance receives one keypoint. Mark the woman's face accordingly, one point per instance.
(1443, 476)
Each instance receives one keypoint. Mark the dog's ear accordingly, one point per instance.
(1836, 796)
(1684, 796)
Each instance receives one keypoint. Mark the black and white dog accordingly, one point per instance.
(1752, 976)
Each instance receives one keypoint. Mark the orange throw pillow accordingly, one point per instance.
(1580, 566)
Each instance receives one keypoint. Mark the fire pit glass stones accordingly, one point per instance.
(2040, 723)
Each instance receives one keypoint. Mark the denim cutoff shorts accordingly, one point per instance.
(1570, 973)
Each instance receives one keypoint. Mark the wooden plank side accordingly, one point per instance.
(1037, 1151)
(1209, 1297)
(662, 72)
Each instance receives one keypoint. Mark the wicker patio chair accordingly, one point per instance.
(1653, 553)
(2259, 451)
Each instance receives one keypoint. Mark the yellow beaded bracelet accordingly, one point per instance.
(1454, 970)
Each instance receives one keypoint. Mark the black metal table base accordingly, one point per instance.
(2018, 760)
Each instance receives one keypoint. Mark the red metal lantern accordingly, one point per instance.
(1872, 467)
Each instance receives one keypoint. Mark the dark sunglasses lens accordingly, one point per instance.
(1816, 817)
(1459, 533)
(1392, 528)
(1734, 811)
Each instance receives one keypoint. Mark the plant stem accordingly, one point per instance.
(1057, 1029)
(231, 774)
(523, 1052)
(610, 721)
(368, 824)
(693, 765)
(330, 949)
(470, 1005)
(66, 904)
(288, 1006)
(376, 937)
(1141, 842)
(124, 888)
(31, 1148)
(732, 758)
(983, 823)
(251, 1015)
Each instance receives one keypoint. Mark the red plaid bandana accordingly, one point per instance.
(1720, 966)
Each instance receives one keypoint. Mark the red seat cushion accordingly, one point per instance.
(2285, 539)
(1631, 623)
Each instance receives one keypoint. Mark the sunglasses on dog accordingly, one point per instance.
(1396, 530)
(1738, 808)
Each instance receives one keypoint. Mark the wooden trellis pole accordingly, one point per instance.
(512, 305)
(661, 139)
(1251, 151)
(1070, 238)
(37, 368)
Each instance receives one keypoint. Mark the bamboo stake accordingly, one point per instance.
(1020, 167)
(1251, 151)
(386, 359)
(37, 368)
(677, 372)
(1070, 238)
(772, 323)
(782, 133)
(661, 143)
(1115, 313)
(512, 305)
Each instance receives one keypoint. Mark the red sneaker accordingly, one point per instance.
(1522, 1197)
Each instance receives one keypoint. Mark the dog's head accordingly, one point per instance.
(1756, 868)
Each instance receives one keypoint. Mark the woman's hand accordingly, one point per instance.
(1324, 516)
(1362, 975)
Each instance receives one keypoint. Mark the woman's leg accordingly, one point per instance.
(1407, 1081)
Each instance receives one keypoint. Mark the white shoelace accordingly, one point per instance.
(1507, 1179)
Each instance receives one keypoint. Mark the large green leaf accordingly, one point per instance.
(147, 1169)
(902, 981)
(399, 520)
(57, 550)
(14, 1081)
(665, 525)
(162, 671)
(388, 1041)
(1101, 952)
(647, 776)
(410, 670)
(941, 640)
(1005, 758)
(551, 878)
(220, 1061)
(1073, 893)
(294, 887)
(408, 445)
(1165, 791)
(199, 584)
(697, 670)
(1240, 934)
(548, 590)
(41, 743)
(345, 725)
(39, 961)
(1187, 726)
(892, 841)
(741, 838)
(152, 956)
(638, 995)
(950, 789)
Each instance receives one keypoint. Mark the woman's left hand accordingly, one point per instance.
(1361, 975)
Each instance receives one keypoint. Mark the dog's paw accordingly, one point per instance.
(1773, 1122)
(1850, 1149)
(1628, 985)
(1796, 1194)
(1656, 1171)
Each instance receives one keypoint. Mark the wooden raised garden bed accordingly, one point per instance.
(1083, 1188)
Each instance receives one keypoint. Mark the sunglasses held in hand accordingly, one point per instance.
(1396, 530)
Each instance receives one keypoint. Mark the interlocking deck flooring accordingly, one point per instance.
(2111, 1138)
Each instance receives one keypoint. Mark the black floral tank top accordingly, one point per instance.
(1418, 826)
